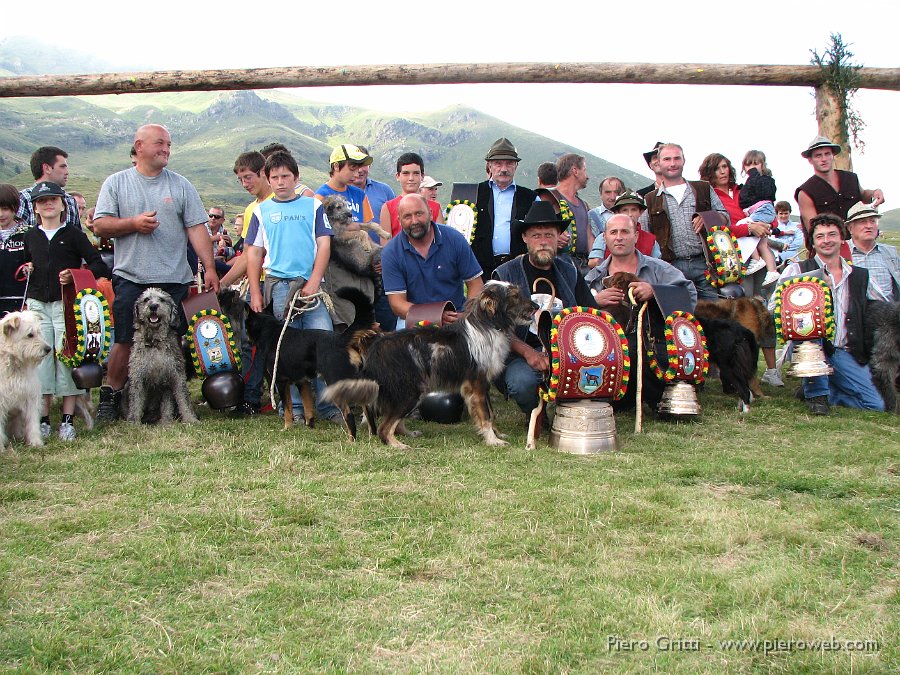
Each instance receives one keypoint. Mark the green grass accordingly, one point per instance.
(235, 546)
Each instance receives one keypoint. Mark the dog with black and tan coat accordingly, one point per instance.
(464, 356)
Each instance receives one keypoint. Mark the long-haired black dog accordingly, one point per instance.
(881, 322)
(735, 351)
(463, 356)
(307, 353)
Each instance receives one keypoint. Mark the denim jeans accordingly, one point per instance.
(519, 381)
(317, 318)
(850, 384)
(694, 269)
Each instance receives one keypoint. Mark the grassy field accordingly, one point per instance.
(232, 546)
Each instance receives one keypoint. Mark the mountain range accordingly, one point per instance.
(209, 131)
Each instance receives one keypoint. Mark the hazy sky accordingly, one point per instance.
(616, 122)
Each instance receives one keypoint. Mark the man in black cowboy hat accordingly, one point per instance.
(499, 201)
(830, 190)
(534, 272)
(652, 159)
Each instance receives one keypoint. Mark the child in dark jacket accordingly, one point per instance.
(52, 248)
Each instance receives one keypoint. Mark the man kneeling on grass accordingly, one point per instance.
(851, 382)
(655, 277)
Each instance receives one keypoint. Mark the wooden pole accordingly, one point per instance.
(829, 116)
(450, 73)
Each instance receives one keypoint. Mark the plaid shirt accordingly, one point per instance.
(26, 209)
(883, 265)
(684, 241)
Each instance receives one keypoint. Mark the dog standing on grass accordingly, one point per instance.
(463, 357)
(307, 353)
(156, 382)
(22, 348)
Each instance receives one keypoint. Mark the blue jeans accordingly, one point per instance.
(317, 318)
(519, 381)
(764, 214)
(252, 369)
(694, 269)
(850, 384)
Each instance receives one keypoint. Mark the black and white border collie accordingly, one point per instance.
(464, 356)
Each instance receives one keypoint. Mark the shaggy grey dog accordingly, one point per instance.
(156, 367)
(354, 252)
(882, 324)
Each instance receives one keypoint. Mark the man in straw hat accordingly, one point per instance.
(830, 190)
(499, 201)
(538, 231)
(880, 259)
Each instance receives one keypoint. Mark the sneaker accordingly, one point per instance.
(818, 405)
(755, 266)
(46, 430)
(67, 431)
(771, 278)
(772, 377)
(109, 409)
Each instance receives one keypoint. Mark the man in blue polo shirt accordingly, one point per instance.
(427, 262)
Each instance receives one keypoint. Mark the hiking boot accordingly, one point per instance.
(772, 377)
(109, 409)
(67, 431)
(818, 405)
(246, 410)
(46, 430)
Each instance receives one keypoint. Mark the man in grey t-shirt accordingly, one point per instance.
(152, 213)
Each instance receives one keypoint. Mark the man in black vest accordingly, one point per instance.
(499, 201)
(671, 218)
(830, 190)
(851, 382)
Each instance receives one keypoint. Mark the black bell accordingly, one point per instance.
(442, 407)
(223, 390)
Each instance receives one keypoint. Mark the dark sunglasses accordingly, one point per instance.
(214, 215)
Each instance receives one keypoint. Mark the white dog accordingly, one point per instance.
(156, 367)
(22, 348)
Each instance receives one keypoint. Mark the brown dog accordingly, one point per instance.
(751, 313)
(624, 313)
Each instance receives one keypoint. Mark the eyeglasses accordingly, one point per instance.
(215, 216)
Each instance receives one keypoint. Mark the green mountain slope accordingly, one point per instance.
(210, 129)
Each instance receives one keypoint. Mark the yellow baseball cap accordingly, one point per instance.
(349, 153)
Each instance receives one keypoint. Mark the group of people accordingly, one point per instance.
(547, 240)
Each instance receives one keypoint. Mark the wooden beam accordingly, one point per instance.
(449, 73)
